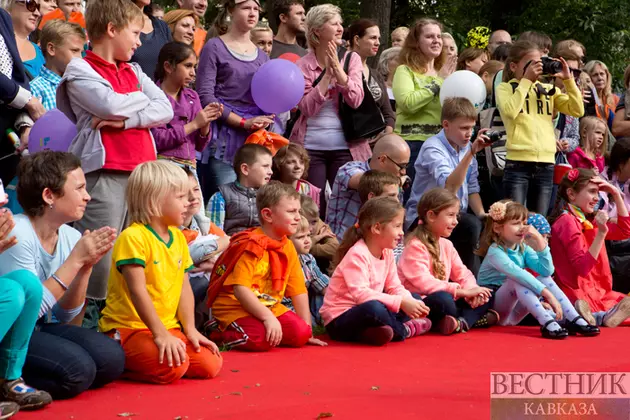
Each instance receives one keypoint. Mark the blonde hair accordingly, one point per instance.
(383, 62)
(308, 207)
(492, 67)
(435, 200)
(171, 18)
(607, 96)
(564, 48)
(412, 56)
(454, 108)
(470, 54)
(513, 211)
(56, 31)
(590, 123)
(446, 35)
(379, 210)
(260, 27)
(401, 30)
(269, 195)
(316, 18)
(101, 13)
(149, 185)
(304, 226)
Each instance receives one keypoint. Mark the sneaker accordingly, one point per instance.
(377, 336)
(489, 319)
(617, 314)
(417, 326)
(582, 307)
(26, 397)
(451, 325)
(8, 409)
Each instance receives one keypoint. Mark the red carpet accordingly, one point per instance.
(429, 377)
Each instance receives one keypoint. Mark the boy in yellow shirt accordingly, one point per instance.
(149, 294)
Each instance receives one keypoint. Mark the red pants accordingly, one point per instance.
(295, 332)
(142, 359)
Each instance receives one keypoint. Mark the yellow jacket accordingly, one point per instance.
(528, 117)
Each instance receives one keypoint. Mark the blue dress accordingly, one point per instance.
(35, 65)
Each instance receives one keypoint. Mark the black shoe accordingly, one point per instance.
(554, 335)
(585, 330)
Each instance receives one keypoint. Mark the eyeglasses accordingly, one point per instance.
(401, 166)
(31, 5)
(576, 72)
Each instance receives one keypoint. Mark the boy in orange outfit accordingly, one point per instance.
(258, 269)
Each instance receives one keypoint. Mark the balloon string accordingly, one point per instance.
(7, 156)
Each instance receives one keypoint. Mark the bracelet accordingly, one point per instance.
(242, 123)
(58, 280)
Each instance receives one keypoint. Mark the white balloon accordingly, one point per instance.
(464, 84)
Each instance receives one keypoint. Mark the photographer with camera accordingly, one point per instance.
(447, 160)
(527, 109)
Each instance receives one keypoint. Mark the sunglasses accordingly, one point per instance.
(401, 166)
(31, 5)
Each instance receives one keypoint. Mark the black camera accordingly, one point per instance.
(551, 66)
(493, 136)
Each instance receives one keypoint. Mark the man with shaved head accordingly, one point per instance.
(497, 38)
(391, 154)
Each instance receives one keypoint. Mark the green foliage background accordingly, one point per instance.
(601, 25)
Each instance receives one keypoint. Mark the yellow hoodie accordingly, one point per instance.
(528, 117)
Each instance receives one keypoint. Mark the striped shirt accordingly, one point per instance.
(344, 203)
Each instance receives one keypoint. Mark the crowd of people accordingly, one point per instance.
(184, 219)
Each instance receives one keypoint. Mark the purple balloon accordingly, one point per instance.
(53, 131)
(277, 86)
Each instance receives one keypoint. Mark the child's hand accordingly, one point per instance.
(562, 145)
(215, 110)
(534, 70)
(206, 266)
(316, 342)
(606, 187)
(274, 331)
(197, 340)
(414, 308)
(35, 108)
(601, 219)
(534, 239)
(172, 347)
(553, 302)
(482, 141)
(566, 73)
(99, 123)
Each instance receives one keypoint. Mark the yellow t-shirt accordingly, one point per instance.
(256, 275)
(164, 267)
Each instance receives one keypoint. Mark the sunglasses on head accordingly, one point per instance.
(31, 5)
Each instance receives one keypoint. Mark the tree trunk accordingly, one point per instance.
(269, 4)
(379, 11)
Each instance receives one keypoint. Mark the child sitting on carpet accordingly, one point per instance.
(290, 164)
(578, 247)
(205, 240)
(510, 246)
(324, 242)
(259, 268)
(316, 281)
(430, 260)
(149, 294)
(365, 301)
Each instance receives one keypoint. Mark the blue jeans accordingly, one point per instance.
(529, 183)
(65, 360)
(349, 325)
(20, 300)
(443, 304)
(415, 147)
(212, 175)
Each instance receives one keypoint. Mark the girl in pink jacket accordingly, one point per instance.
(365, 301)
(430, 260)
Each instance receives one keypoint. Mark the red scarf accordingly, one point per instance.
(256, 244)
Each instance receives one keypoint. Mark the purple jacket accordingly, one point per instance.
(171, 139)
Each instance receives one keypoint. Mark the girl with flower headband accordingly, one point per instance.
(365, 301)
(510, 247)
(431, 266)
(577, 240)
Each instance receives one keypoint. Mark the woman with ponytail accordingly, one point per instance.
(431, 267)
(365, 301)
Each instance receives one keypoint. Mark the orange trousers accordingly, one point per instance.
(142, 359)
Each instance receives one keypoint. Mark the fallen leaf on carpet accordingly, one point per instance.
(375, 388)
(324, 415)
(236, 393)
(178, 418)
(307, 393)
(126, 414)
(217, 397)
(247, 387)
(235, 370)
(257, 384)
